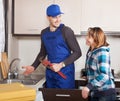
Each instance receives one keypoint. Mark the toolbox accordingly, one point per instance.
(16, 92)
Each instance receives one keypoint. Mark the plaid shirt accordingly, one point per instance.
(98, 69)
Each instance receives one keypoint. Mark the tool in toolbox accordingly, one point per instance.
(49, 64)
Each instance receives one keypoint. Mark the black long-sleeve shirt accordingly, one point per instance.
(72, 43)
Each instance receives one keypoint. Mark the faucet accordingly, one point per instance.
(13, 70)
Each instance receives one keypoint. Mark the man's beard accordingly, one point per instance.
(55, 26)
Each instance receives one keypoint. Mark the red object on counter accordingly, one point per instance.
(48, 63)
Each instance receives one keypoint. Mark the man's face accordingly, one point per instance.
(54, 21)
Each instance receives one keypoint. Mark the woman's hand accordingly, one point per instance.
(84, 77)
(85, 92)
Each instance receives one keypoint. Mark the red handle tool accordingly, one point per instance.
(48, 63)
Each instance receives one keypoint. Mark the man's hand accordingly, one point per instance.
(29, 70)
(53, 66)
(57, 67)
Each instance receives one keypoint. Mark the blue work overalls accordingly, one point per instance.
(57, 51)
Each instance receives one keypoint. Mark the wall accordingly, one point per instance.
(2, 28)
(26, 48)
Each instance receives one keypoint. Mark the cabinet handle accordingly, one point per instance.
(63, 95)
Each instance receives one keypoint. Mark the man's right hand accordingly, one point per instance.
(29, 70)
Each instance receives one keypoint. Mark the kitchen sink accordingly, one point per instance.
(26, 80)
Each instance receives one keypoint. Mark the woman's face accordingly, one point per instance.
(89, 41)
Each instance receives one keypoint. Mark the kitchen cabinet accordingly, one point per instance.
(103, 13)
(71, 94)
(82, 82)
(25, 23)
(61, 94)
(50, 94)
(117, 84)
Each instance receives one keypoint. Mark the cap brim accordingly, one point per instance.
(53, 15)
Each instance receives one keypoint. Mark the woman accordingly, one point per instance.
(100, 85)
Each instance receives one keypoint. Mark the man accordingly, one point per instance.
(59, 45)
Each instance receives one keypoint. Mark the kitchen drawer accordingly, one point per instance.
(63, 94)
(50, 94)
(117, 84)
(118, 94)
(79, 83)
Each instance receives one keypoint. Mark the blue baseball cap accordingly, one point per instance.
(53, 10)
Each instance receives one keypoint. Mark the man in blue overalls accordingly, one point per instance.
(59, 45)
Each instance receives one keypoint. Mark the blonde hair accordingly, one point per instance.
(98, 35)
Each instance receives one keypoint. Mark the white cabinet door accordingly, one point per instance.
(102, 13)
